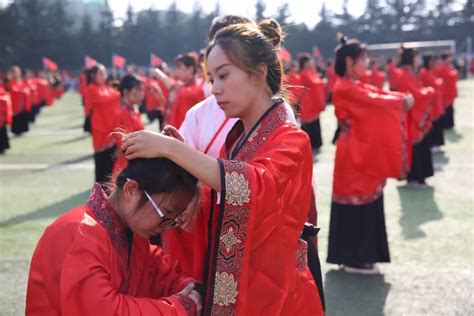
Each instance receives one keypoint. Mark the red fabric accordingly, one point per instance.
(32, 84)
(449, 77)
(393, 75)
(103, 102)
(332, 77)
(313, 100)
(264, 204)
(284, 54)
(49, 64)
(118, 61)
(293, 83)
(6, 113)
(186, 97)
(428, 79)
(373, 144)
(152, 101)
(419, 115)
(89, 61)
(155, 60)
(43, 89)
(130, 120)
(374, 77)
(20, 96)
(81, 266)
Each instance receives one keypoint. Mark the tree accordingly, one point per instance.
(283, 14)
(260, 8)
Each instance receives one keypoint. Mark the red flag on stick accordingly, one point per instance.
(49, 64)
(89, 61)
(118, 61)
(155, 60)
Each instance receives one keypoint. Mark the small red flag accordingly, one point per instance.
(316, 52)
(89, 62)
(118, 61)
(285, 55)
(49, 64)
(155, 60)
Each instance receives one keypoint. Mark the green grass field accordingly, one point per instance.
(50, 170)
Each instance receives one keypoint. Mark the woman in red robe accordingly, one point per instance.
(104, 104)
(21, 100)
(419, 118)
(156, 95)
(331, 80)
(372, 146)
(313, 100)
(449, 75)
(97, 260)
(187, 92)
(260, 186)
(374, 76)
(131, 89)
(428, 79)
(5, 118)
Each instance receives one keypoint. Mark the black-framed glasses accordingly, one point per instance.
(165, 222)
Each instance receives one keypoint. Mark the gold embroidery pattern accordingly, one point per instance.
(229, 239)
(237, 189)
(226, 289)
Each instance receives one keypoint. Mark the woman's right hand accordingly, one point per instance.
(172, 131)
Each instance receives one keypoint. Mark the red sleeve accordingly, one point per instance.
(97, 98)
(86, 288)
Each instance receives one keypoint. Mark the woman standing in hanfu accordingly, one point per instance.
(372, 146)
(255, 261)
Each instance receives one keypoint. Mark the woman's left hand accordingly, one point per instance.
(146, 144)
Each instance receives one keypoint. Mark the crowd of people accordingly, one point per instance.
(244, 123)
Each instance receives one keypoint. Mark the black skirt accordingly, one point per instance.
(437, 133)
(156, 115)
(20, 123)
(87, 124)
(448, 117)
(357, 234)
(104, 164)
(4, 143)
(313, 129)
(422, 163)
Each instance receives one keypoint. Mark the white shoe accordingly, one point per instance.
(371, 271)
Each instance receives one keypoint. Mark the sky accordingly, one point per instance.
(306, 11)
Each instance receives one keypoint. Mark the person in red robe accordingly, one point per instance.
(449, 75)
(5, 118)
(260, 185)
(21, 100)
(331, 80)
(420, 119)
(313, 100)
(129, 120)
(32, 84)
(427, 78)
(392, 74)
(372, 146)
(156, 96)
(374, 76)
(293, 84)
(96, 259)
(187, 92)
(104, 104)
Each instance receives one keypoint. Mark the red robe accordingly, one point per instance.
(393, 74)
(313, 99)
(186, 97)
(20, 96)
(130, 120)
(419, 116)
(87, 264)
(449, 76)
(104, 103)
(43, 90)
(6, 113)
(428, 79)
(332, 77)
(293, 82)
(373, 144)
(266, 193)
(33, 86)
(152, 101)
(374, 77)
